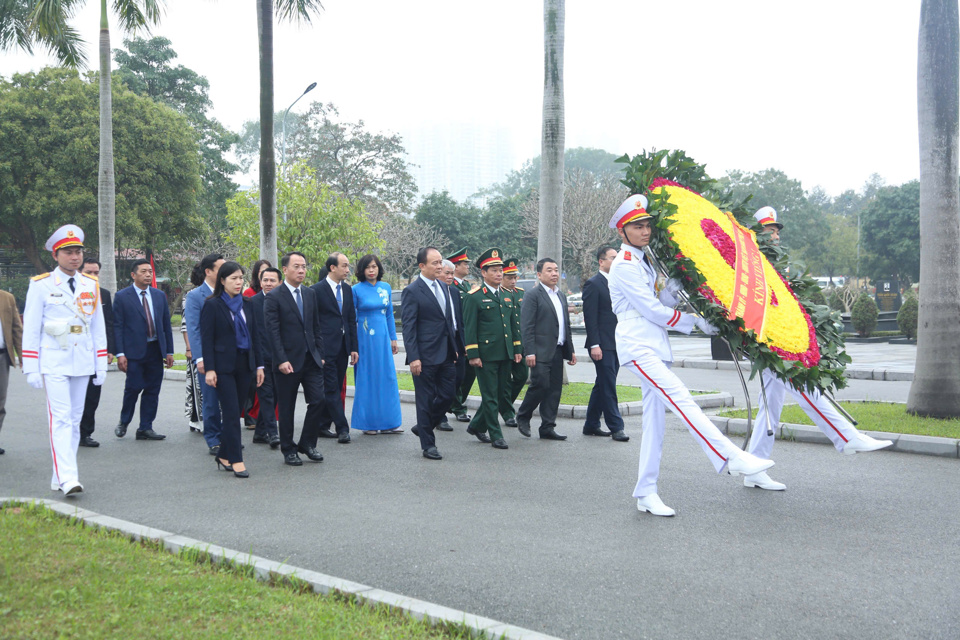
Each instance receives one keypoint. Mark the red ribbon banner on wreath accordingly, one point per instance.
(750, 287)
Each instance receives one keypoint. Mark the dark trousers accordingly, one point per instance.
(434, 389)
(266, 393)
(232, 391)
(211, 411)
(287, 385)
(519, 372)
(603, 398)
(463, 387)
(90, 404)
(334, 372)
(546, 385)
(144, 375)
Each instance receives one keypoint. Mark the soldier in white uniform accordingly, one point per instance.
(844, 436)
(643, 317)
(64, 343)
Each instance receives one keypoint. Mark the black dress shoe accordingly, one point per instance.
(241, 474)
(510, 422)
(481, 436)
(415, 431)
(326, 433)
(463, 417)
(214, 450)
(432, 454)
(595, 431)
(274, 442)
(500, 443)
(149, 434)
(620, 436)
(444, 425)
(88, 441)
(293, 460)
(121, 430)
(261, 440)
(2, 451)
(343, 438)
(550, 434)
(524, 428)
(311, 453)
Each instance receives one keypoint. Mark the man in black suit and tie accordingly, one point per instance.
(601, 324)
(91, 267)
(447, 277)
(292, 320)
(266, 429)
(338, 326)
(547, 342)
(430, 339)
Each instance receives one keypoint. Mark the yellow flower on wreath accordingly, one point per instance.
(787, 326)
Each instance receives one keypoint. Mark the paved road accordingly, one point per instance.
(545, 535)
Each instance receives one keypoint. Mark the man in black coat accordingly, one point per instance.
(91, 267)
(447, 277)
(601, 324)
(292, 320)
(547, 342)
(266, 429)
(338, 327)
(430, 338)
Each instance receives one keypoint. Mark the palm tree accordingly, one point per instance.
(936, 385)
(297, 11)
(46, 23)
(552, 141)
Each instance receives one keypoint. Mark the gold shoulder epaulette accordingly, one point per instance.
(40, 277)
(94, 278)
(519, 288)
(476, 288)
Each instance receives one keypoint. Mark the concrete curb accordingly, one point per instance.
(265, 569)
(855, 373)
(904, 443)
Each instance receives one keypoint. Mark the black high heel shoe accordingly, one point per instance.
(226, 467)
(242, 474)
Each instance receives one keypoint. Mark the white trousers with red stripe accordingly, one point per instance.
(65, 398)
(823, 414)
(663, 390)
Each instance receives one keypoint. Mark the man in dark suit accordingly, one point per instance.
(91, 267)
(266, 429)
(601, 324)
(292, 320)
(338, 327)
(456, 297)
(430, 340)
(547, 342)
(143, 340)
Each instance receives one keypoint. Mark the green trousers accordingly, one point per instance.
(518, 377)
(494, 380)
(459, 404)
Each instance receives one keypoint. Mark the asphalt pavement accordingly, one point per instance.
(546, 535)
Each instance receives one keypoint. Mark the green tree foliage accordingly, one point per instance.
(49, 135)
(907, 316)
(863, 316)
(458, 223)
(836, 301)
(890, 233)
(356, 163)
(146, 67)
(311, 218)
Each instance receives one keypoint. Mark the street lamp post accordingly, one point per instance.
(283, 143)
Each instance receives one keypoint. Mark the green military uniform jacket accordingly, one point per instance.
(492, 326)
(463, 285)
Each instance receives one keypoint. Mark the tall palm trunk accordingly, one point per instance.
(268, 165)
(552, 142)
(936, 385)
(106, 183)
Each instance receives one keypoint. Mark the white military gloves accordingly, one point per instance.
(99, 378)
(705, 326)
(673, 287)
(35, 380)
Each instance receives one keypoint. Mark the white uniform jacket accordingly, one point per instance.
(643, 317)
(63, 330)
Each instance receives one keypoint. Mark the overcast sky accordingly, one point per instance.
(823, 90)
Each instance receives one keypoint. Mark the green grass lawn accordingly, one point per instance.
(873, 416)
(59, 579)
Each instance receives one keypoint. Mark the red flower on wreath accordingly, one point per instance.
(663, 182)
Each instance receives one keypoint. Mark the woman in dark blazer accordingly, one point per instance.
(231, 358)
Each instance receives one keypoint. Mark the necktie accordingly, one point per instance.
(441, 300)
(299, 301)
(339, 299)
(146, 309)
(73, 285)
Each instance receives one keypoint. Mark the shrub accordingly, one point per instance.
(817, 296)
(864, 315)
(836, 302)
(907, 316)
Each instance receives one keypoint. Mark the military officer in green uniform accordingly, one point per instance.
(518, 370)
(461, 269)
(490, 320)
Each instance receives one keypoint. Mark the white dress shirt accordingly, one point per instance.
(554, 294)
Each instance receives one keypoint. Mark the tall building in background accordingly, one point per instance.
(461, 158)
